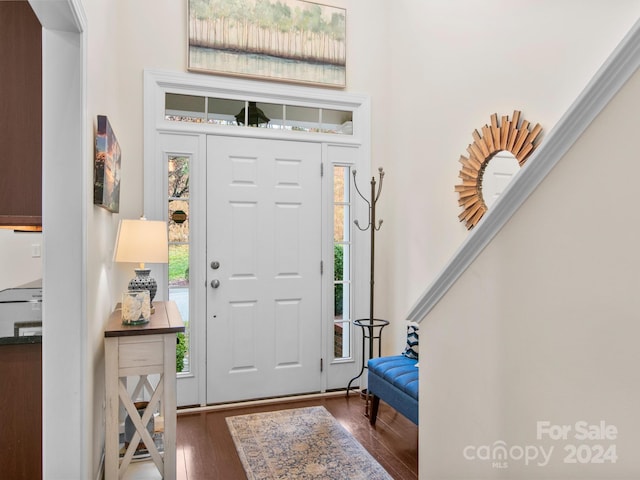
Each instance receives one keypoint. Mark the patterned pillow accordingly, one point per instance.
(411, 350)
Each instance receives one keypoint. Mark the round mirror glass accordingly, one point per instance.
(497, 175)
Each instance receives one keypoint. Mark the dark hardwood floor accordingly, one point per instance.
(205, 449)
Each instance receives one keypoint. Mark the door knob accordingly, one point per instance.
(215, 265)
(215, 283)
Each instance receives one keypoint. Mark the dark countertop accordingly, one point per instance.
(166, 319)
(26, 340)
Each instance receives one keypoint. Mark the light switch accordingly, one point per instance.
(36, 250)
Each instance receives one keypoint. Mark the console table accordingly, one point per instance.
(140, 351)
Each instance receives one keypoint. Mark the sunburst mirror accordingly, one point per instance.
(514, 137)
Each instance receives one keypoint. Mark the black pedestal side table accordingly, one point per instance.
(371, 330)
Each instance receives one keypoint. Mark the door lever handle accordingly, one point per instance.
(215, 283)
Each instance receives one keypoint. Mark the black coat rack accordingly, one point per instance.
(371, 324)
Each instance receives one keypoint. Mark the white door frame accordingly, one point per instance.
(156, 85)
(68, 346)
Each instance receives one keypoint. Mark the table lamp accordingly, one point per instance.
(142, 241)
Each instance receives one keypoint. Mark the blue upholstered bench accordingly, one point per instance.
(395, 380)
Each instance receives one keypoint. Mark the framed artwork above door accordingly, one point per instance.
(287, 40)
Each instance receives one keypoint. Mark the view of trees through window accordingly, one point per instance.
(178, 224)
(341, 262)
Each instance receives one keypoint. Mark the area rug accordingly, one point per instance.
(300, 444)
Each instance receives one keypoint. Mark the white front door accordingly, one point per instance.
(264, 322)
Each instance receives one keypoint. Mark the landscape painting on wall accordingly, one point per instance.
(286, 40)
(106, 172)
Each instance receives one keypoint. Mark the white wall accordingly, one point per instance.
(66, 385)
(124, 37)
(543, 325)
(453, 64)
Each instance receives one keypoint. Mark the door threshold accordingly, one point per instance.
(259, 402)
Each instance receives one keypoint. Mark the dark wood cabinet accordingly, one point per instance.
(20, 115)
(21, 407)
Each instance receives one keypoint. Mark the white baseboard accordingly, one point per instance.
(267, 401)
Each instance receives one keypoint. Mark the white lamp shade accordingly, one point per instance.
(142, 241)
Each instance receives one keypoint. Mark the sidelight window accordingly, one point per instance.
(342, 263)
(179, 255)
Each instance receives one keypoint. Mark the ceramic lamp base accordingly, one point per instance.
(143, 281)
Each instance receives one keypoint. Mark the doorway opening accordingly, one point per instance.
(184, 172)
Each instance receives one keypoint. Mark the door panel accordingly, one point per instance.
(264, 229)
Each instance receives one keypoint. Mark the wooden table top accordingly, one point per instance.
(166, 319)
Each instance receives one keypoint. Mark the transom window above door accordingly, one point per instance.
(248, 113)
